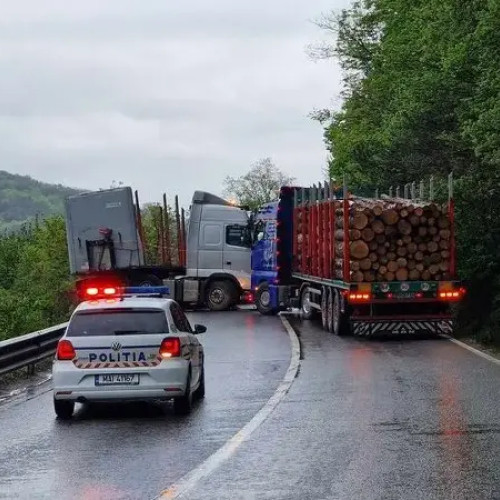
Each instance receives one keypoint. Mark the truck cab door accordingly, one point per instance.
(237, 253)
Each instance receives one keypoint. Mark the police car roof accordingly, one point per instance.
(125, 302)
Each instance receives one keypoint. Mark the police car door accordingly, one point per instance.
(182, 324)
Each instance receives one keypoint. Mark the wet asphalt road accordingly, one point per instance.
(133, 452)
(373, 420)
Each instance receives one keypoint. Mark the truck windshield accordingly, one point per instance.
(118, 322)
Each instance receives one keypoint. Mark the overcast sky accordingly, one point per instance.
(162, 95)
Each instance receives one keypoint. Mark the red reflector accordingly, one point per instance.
(419, 295)
(65, 351)
(170, 348)
(92, 291)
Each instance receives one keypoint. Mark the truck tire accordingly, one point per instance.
(263, 300)
(306, 310)
(324, 308)
(147, 280)
(221, 295)
(340, 321)
(331, 310)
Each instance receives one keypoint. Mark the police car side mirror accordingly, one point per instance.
(199, 329)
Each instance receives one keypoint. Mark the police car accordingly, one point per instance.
(126, 346)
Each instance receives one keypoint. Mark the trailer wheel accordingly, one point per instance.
(306, 310)
(221, 295)
(324, 308)
(263, 300)
(331, 310)
(336, 313)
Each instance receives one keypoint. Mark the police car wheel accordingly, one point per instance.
(200, 392)
(64, 409)
(263, 300)
(184, 404)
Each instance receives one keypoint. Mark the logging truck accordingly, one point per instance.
(203, 261)
(365, 266)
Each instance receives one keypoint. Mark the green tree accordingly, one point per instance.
(260, 185)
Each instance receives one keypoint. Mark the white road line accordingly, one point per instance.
(472, 349)
(190, 480)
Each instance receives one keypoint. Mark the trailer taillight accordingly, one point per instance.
(450, 295)
(359, 297)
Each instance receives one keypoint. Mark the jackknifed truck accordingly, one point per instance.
(203, 259)
(366, 266)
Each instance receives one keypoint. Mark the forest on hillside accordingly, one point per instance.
(23, 198)
(421, 99)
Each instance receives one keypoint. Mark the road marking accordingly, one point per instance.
(190, 480)
(472, 349)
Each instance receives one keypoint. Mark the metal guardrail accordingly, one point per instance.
(29, 349)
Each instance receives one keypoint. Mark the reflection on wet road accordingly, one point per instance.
(135, 451)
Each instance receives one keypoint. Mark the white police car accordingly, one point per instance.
(127, 348)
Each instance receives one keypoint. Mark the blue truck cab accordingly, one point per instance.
(272, 253)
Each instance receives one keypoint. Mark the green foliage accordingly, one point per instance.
(34, 282)
(422, 91)
(260, 185)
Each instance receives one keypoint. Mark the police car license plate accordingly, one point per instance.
(117, 379)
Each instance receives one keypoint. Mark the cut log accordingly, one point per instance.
(412, 247)
(431, 221)
(378, 227)
(381, 250)
(402, 274)
(407, 239)
(390, 231)
(444, 266)
(391, 256)
(377, 210)
(414, 220)
(419, 267)
(433, 269)
(422, 247)
(383, 260)
(380, 239)
(445, 234)
(402, 262)
(401, 251)
(359, 249)
(382, 270)
(389, 276)
(433, 230)
(418, 211)
(339, 235)
(412, 264)
(414, 275)
(392, 266)
(373, 257)
(404, 212)
(432, 246)
(422, 231)
(365, 264)
(404, 227)
(367, 234)
(443, 222)
(357, 276)
(359, 221)
(369, 276)
(445, 254)
(373, 245)
(390, 217)
(444, 244)
(426, 275)
(375, 266)
(354, 234)
(400, 243)
(419, 256)
(436, 258)
(355, 265)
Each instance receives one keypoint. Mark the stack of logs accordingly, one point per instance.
(394, 240)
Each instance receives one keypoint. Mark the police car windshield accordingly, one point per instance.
(118, 322)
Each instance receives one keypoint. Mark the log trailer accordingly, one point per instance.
(365, 266)
(204, 260)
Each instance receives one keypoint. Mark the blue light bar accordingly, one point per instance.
(147, 290)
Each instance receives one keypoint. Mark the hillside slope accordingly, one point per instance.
(22, 198)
